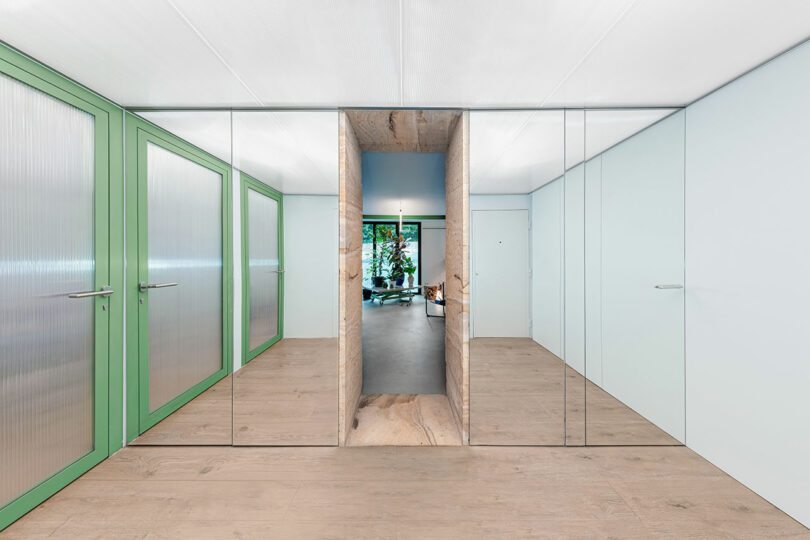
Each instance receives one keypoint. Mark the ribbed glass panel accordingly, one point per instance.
(46, 252)
(263, 264)
(184, 247)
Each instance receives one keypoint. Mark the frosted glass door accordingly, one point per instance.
(264, 268)
(50, 344)
(183, 274)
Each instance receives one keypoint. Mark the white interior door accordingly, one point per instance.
(500, 295)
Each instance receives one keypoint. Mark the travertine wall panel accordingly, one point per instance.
(457, 341)
(351, 277)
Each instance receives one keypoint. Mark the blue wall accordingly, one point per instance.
(415, 178)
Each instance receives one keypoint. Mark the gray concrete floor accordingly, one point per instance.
(403, 350)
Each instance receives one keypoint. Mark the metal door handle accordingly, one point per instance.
(143, 286)
(106, 290)
(278, 271)
(672, 286)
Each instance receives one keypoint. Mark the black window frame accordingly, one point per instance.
(395, 223)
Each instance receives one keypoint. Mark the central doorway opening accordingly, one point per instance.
(402, 159)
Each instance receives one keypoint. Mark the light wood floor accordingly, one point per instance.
(205, 419)
(404, 420)
(288, 395)
(517, 396)
(380, 493)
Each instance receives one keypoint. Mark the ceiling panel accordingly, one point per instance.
(671, 52)
(304, 53)
(463, 52)
(606, 128)
(135, 52)
(295, 152)
(209, 130)
(413, 53)
(515, 151)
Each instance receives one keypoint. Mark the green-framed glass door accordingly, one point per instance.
(262, 267)
(55, 300)
(181, 287)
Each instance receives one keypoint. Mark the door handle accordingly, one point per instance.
(278, 271)
(670, 286)
(106, 290)
(143, 286)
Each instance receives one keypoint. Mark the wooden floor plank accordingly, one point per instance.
(401, 492)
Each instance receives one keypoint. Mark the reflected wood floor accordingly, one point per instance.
(205, 419)
(517, 396)
(404, 420)
(430, 492)
(288, 395)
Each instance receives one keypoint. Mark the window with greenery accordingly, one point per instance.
(374, 256)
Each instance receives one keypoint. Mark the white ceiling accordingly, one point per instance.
(414, 53)
(209, 130)
(295, 152)
(515, 152)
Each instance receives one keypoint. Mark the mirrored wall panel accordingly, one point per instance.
(286, 370)
(634, 267)
(517, 313)
(577, 277)
(183, 289)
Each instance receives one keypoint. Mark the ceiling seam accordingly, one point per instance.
(216, 53)
(401, 59)
(570, 73)
(590, 50)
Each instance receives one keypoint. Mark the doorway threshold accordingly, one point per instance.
(404, 420)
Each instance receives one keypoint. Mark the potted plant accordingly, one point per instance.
(376, 269)
(409, 269)
(396, 258)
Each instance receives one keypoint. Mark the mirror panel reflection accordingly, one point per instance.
(634, 253)
(576, 248)
(182, 302)
(286, 388)
(517, 375)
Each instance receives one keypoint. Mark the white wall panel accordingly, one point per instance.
(593, 270)
(747, 265)
(311, 266)
(434, 240)
(642, 246)
(574, 268)
(547, 266)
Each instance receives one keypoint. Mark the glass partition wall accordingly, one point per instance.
(576, 249)
(580, 212)
(286, 383)
(179, 278)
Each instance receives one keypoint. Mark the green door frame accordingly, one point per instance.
(139, 133)
(109, 264)
(250, 183)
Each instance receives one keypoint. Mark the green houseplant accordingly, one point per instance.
(410, 268)
(396, 246)
(376, 268)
